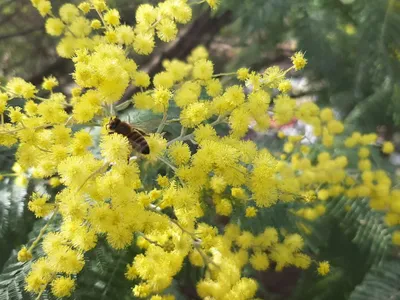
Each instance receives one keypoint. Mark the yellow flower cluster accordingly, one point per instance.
(79, 32)
(104, 193)
(260, 251)
(331, 176)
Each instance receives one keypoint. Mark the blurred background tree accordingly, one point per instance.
(353, 48)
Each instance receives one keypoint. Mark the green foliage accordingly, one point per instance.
(395, 104)
(355, 240)
(103, 277)
(382, 282)
(365, 227)
(12, 280)
(15, 219)
(351, 49)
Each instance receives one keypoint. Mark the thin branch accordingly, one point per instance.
(18, 34)
(43, 230)
(167, 163)
(149, 240)
(163, 122)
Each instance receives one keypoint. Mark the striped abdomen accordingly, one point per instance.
(138, 142)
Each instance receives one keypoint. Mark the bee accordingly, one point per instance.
(135, 136)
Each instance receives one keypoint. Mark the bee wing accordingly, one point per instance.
(144, 133)
(142, 120)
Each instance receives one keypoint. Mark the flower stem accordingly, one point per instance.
(163, 122)
(198, 2)
(190, 136)
(42, 231)
(167, 163)
(224, 74)
(40, 294)
(19, 129)
(98, 171)
(149, 240)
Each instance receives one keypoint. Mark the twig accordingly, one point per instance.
(149, 240)
(181, 137)
(193, 236)
(17, 34)
(224, 74)
(172, 121)
(167, 163)
(41, 149)
(205, 258)
(99, 170)
(163, 122)
(221, 119)
(42, 231)
(40, 294)
(19, 129)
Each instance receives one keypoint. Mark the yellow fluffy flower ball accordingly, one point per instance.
(213, 4)
(179, 153)
(68, 12)
(194, 114)
(323, 268)
(203, 69)
(298, 60)
(157, 146)
(259, 261)
(62, 286)
(54, 26)
(112, 17)
(387, 147)
(39, 206)
(115, 148)
(251, 212)
(24, 255)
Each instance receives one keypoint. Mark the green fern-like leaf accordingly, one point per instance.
(15, 220)
(381, 283)
(12, 280)
(365, 226)
(103, 276)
